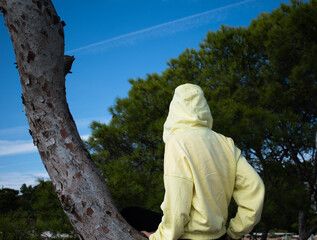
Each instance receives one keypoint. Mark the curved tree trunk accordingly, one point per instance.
(38, 41)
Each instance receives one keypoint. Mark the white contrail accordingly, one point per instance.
(196, 19)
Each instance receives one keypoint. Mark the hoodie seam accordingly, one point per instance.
(185, 178)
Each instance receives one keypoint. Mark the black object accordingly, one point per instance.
(142, 219)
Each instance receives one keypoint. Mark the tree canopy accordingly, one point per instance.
(260, 82)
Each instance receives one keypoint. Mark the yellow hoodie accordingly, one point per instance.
(203, 170)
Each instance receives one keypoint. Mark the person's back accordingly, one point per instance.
(203, 170)
(211, 159)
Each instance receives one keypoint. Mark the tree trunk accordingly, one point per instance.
(304, 231)
(38, 41)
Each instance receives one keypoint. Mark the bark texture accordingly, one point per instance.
(38, 41)
(304, 231)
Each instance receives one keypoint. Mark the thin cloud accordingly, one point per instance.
(20, 132)
(16, 147)
(167, 28)
(23, 131)
(14, 180)
(22, 147)
(85, 137)
(85, 122)
(13, 130)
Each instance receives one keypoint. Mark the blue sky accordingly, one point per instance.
(112, 41)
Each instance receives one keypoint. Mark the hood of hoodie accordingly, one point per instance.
(188, 109)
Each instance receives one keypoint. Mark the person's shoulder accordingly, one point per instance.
(178, 137)
(189, 135)
(222, 137)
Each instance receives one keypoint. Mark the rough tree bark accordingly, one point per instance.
(38, 41)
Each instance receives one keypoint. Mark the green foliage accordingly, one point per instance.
(261, 85)
(48, 210)
(130, 155)
(36, 210)
(8, 200)
(286, 195)
(13, 227)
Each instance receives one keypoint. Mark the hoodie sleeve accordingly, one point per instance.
(249, 195)
(178, 195)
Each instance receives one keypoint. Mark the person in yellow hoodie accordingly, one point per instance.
(203, 170)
